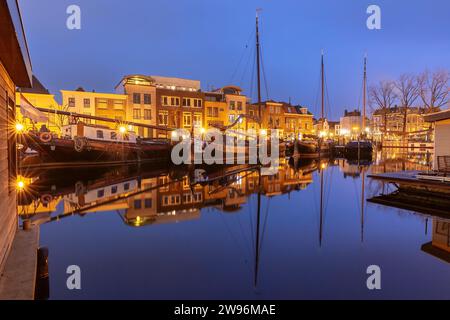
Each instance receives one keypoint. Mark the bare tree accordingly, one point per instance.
(382, 97)
(434, 89)
(408, 91)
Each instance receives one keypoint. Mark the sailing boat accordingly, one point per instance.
(362, 148)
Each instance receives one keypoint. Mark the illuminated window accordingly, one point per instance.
(147, 114)
(87, 103)
(187, 120)
(147, 98)
(163, 118)
(136, 98)
(71, 102)
(136, 113)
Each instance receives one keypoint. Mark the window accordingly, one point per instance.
(147, 114)
(230, 118)
(136, 113)
(147, 98)
(186, 102)
(71, 102)
(113, 136)
(187, 120)
(118, 104)
(232, 105)
(99, 134)
(197, 103)
(163, 118)
(114, 189)
(148, 203)
(100, 193)
(136, 98)
(102, 103)
(212, 112)
(239, 105)
(197, 120)
(137, 204)
(126, 186)
(170, 101)
(87, 103)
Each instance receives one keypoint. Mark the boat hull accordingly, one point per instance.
(66, 150)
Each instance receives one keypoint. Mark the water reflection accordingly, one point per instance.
(270, 222)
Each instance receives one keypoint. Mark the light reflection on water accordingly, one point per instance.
(160, 232)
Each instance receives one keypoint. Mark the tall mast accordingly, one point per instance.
(321, 207)
(258, 218)
(322, 76)
(258, 64)
(364, 95)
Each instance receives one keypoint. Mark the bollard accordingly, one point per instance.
(26, 225)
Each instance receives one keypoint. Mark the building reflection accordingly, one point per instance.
(164, 195)
(439, 246)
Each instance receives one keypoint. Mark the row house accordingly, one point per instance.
(107, 105)
(141, 101)
(163, 101)
(391, 121)
(289, 120)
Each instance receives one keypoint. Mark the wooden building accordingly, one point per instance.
(441, 122)
(15, 70)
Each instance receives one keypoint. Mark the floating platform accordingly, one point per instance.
(415, 180)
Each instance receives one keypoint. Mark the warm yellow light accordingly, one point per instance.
(202, 130)
(19, 127)
(368, 130)
(122, 129)
(322, 134)
(323, 166)
(355, 128)
(263, 132)
(20, 184)
(130, 127)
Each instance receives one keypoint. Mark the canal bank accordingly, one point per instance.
(18, 279)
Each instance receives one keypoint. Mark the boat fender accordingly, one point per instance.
(45, 137)
(79, 143)
(46, 199)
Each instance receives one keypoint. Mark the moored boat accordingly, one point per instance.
(94, 143)
(359, 149)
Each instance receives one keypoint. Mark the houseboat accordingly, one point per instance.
(82, 142)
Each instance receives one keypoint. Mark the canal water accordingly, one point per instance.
(306, 231)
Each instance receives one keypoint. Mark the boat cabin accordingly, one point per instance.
(97, 132)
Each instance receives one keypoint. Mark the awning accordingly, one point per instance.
(30, 112)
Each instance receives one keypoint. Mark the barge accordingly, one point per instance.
(82, 142)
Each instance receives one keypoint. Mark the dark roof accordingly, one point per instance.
(37, 87)
(14, 54)
(437, 116)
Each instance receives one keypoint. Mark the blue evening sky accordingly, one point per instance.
(213, 41)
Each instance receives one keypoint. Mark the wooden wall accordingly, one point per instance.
(8, 213)
(441, 140)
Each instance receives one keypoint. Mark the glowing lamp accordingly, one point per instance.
(19, 127)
